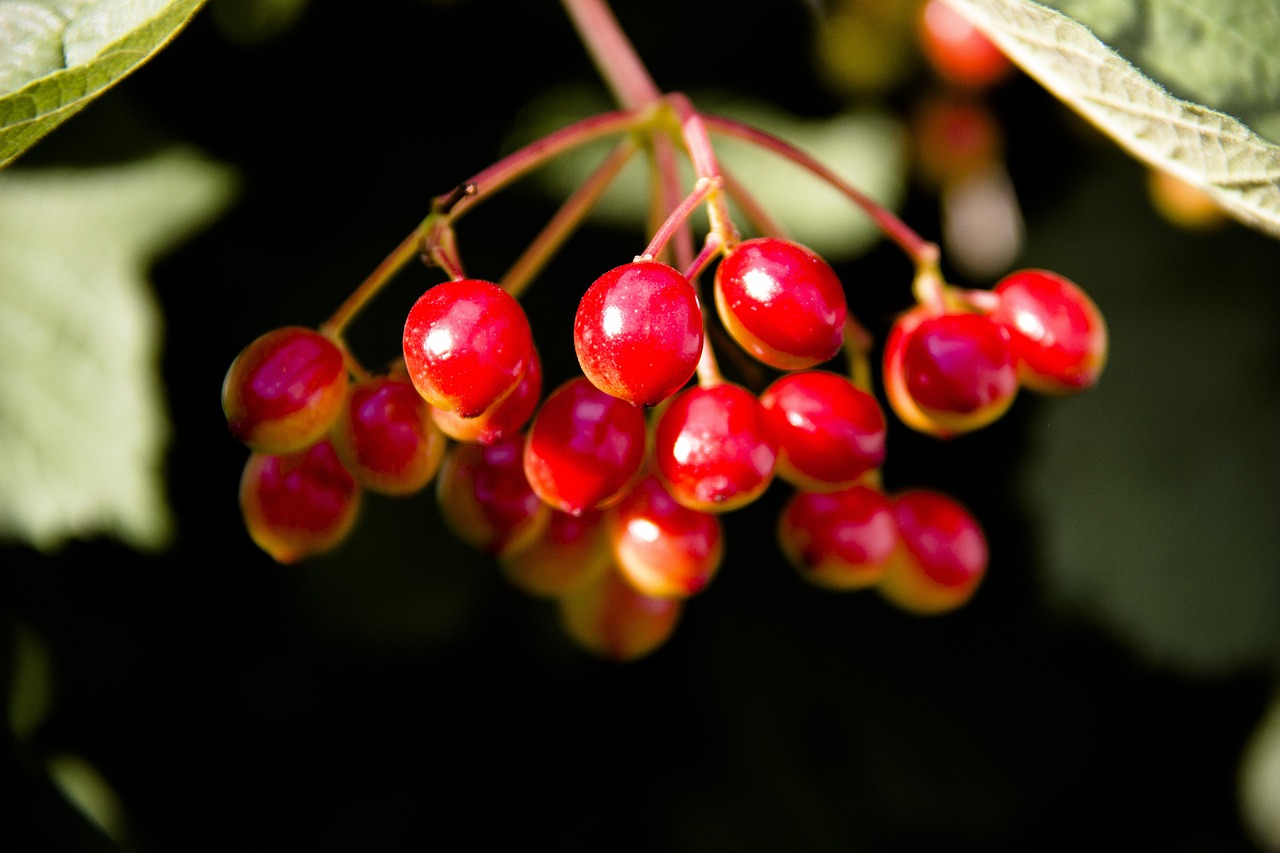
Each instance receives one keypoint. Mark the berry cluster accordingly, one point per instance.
(607, 492)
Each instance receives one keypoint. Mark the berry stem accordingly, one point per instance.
(857, 344)
(702, 189)
(612, 52)
(400, 256)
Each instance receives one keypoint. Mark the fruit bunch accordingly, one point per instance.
(606, 491)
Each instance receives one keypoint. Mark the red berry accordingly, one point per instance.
(839, 540)
(467, 343)
(298, 504)
(570, 551)
(386, 438)
(942, 555)
(1058, 334)
(661, 547)
(612, 619)
(781, 302)
(508, 415)
(638, 332)
(485, 499)
(713, 447)
(956, 136)
(584, 447)
(949, 373)
(959, 52)
(830, 432)
(284, 390)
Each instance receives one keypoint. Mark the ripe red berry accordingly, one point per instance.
(612, 619)
(284, 390)
(661, 547)
(571, 550)
(584, 447)
(713, 447)
(638, 332)
(781, 302)
(508, 415)
(942, 554)
(839, 540)
(1058, 334)
(298, 504)
(386, 438)
(467, 343)
(949, 373)
(485, 499)
(959, 52)
(830, 432)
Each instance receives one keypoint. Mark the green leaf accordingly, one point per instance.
(82, 420)
(57, 56)
(1260, 780)
(1211, 49)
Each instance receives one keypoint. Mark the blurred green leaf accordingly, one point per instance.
(83, 426)
(1211, 49)
(55, 57)
(1260, 780)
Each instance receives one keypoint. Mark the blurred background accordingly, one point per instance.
(1112, 678)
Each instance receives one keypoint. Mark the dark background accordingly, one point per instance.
(398, 695)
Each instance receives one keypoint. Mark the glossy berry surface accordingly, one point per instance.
(1058, 334)
(959, 52)
(509, 415)
(615, 621)
(661, 547)
(571, 550)
(713, 448)
(839, 540)
(638, 332)
(949, 373)
(781, 302)
(386, 438)
(296, 505)
(485, 499)
(584, 447)
(942, 553)
(284, 390)
(467, 343)
(830, 432)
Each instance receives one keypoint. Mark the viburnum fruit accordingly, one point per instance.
(485, 499)
(950, 372)
(571, 550)
(584, 447)
(959, 52)
(298, 504)
(638, 332)
(467, 344)
(1058, 334)
(284, 390)
(661, 547)
(508, 415)
(612, 619)
(830, 432)
(781, 302)
(941, 557)
(713, 448)
(839, 540)
(386, 438)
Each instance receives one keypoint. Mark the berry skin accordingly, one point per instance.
(611, 619)
(949, 373)
(942, 554)
(781, 302)
(508, 415)
(467, 343)
(959, 52)
(386, 438)
(830, 432)
(485, 499)
(570, 551)
(1058, 334)
(284, 390)
(839, 540)
(298, 504)
(584, 448)
(661, 547)
(638, 332)
(713, 448)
